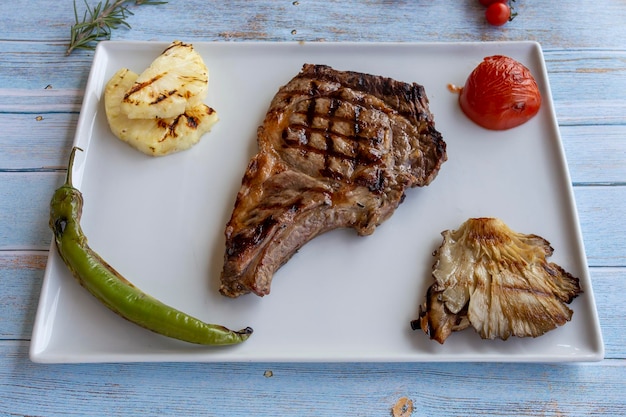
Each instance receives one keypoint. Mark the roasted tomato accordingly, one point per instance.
(497, 14)
(500, 94)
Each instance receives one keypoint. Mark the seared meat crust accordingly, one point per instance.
(336, 149)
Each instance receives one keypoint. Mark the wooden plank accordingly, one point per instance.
(45, 64)
(21, 275)
(595, 154)
(588, 85)
(40, 101)
(224, 389)
(590, 112)
(587, 74)
(332, 20)
(608, 286)
(602, 210)
(36, 141)
(602, 64)
(53, 24)
(24, 209)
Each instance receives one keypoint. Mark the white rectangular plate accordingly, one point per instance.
(160, 221)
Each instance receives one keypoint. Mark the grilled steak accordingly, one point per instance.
(336, 149)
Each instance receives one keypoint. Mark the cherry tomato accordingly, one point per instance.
(500, 94)
(488, 2)
(498, 14)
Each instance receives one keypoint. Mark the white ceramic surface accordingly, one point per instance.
(160, 221)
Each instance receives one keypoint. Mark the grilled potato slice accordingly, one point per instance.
(154, 136)
(176, 81)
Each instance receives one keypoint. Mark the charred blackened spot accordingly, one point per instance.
(169, 127)
(164, 96)
(551, 270)
(59, 226)
(253, 167)
(378, 138)
(310, 113)
(366, 155)
(329, 173)
(314, 89)
(296, 206)
(262, 229)
(409, 93)
(243, 241)
(373, 180)
(360, 81)
(413, 93)
(172, 46)
(380, 180)
(192, 122)
(139, 86)
(389, 90)
(357, 124)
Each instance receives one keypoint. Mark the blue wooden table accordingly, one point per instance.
(41, 91)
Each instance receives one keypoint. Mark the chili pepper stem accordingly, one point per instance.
(70, 166)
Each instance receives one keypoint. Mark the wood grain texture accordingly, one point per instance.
(309, 390)
(41, 91)
(601, 221)
(21, 275)
(24, 209)
(595, 154)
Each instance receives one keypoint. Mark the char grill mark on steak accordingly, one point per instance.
(336, 149)
(336, 139)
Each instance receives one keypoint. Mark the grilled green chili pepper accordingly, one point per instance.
(112, 289)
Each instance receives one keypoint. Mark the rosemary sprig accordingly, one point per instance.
(98, 22)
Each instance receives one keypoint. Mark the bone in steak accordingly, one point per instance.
(336, 149)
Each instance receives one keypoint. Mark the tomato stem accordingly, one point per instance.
(513, 12)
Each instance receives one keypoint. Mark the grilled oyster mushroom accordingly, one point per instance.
(496, 280)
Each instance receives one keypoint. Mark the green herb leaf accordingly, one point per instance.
(98, 22)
